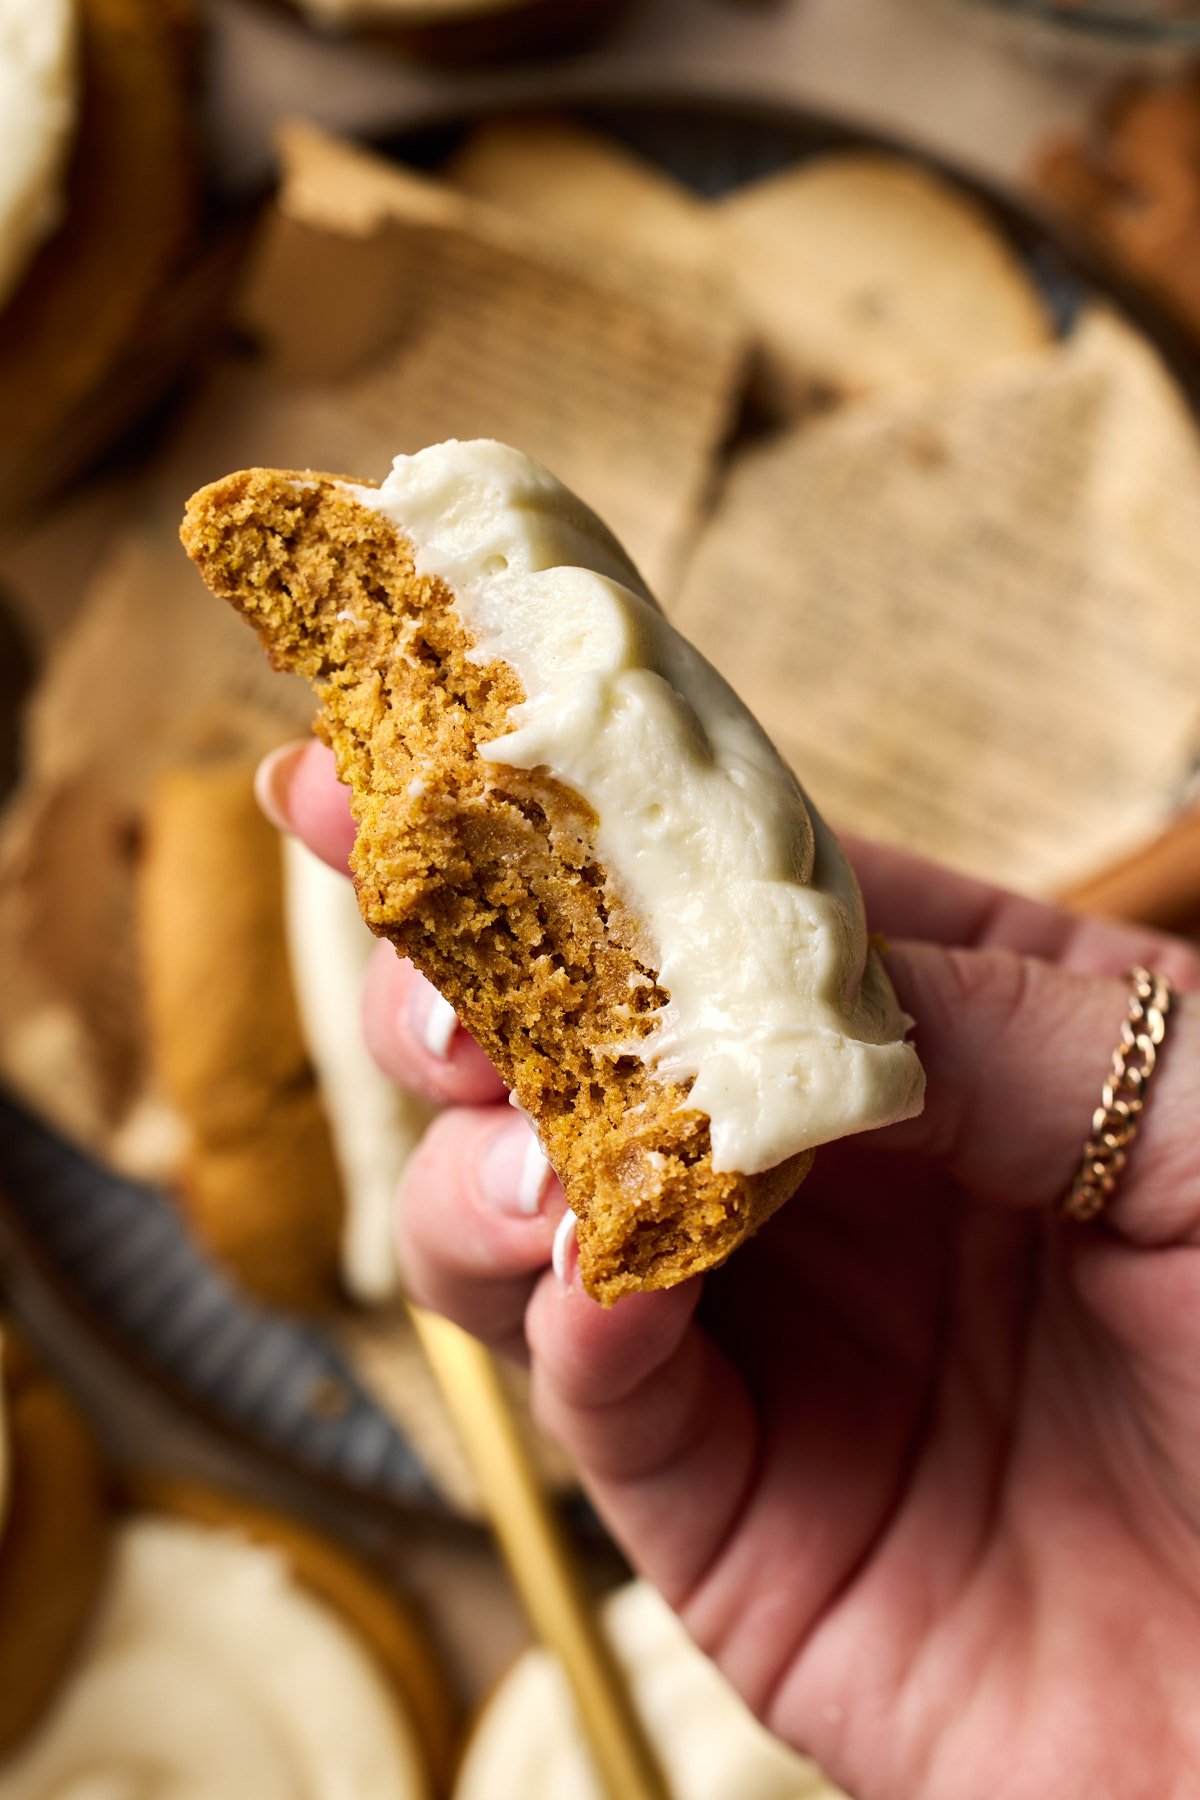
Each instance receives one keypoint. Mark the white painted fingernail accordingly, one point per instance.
(535, 1172)
(273, 778)
(434, 1020)
(564, 1238)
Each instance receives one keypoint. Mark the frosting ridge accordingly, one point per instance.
(780, 1015)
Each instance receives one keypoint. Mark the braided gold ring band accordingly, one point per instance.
(1115, 1121)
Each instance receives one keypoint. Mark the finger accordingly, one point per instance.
(748, 1514)
(650, 1413)
(476, 1218)
(415, 1038)
(1015, 1052)
(907, 897)
(297, 789)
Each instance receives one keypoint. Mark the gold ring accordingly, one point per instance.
(1115, 1121)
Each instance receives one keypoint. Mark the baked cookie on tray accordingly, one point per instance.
(177, 1629)
(574, 828)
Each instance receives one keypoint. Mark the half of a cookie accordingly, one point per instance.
(576, 830)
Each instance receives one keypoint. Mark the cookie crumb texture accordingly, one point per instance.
(484, 875)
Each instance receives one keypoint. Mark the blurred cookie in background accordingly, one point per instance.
(256, 1172)
(54, 1535)
(862, 272)
(1130, 186)
(16, 675)
(39, 98)
(98, 202)
(184, 1630)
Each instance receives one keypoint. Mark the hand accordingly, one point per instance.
(920, 1468)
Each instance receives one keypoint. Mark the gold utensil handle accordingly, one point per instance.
(1158, 885)
(539, 1561)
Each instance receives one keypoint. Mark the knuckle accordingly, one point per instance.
(990, 984)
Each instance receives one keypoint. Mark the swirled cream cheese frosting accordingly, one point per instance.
(779, 1015)
(211, 1675)
(527, 1744)
(37, 119)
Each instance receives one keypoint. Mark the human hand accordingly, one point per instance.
(920, 1466)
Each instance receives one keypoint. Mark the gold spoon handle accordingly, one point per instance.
(538, 1559)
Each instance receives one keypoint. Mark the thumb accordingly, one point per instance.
(1016, 1051)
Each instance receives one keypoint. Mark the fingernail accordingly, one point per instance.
(273, 778)
(514, 1171)
(433, 1019)
(564, 1255)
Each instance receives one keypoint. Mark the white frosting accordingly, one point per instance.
(527, 1745)
(37, 118)
(778, 1012)
(211, 1675)
(376, 1126)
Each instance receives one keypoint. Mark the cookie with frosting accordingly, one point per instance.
(223, 1650)
(574, 828)
(38, 101)
(96, 103)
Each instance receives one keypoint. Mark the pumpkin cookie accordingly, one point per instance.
(576, 830)
(258, 1177)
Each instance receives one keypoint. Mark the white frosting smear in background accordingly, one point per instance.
(778, 1011)
(375, 1125)
(210, 1675)
(37, 119)
(527, 1744)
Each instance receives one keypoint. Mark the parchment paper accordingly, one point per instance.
(970, 619)
(440, 316)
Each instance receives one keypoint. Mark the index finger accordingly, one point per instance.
(907, 896)
(297, 788)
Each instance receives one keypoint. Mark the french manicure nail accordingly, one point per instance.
(564, 1255)
(514, 1171)
(433, 1019)
(273, 778)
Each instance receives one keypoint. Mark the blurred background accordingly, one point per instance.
(873, 325)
